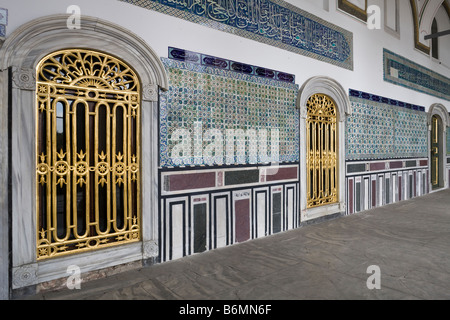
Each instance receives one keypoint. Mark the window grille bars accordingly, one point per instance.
(87, 153)
(321, 151)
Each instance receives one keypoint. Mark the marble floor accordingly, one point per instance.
(408, 242)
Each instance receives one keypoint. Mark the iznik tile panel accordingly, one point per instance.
(212, 116)
(448, 141)
(211, 61)
(406, 73)
(274, 22)
(378, 129)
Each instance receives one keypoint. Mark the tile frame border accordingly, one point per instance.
(389, 55)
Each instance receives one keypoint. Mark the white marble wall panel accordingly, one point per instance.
(290, 208)
(176, 231)
(149, 170)
(261, 211)
(23, 179)
(221, 218)
(291, 204)
(227, 216)
(4, 190)
(380, 195)
(367, 191)
(89, 261)
(394, 187)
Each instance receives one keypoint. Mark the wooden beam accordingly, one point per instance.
(436, 35)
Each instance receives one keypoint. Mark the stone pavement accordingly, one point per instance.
(408, 241)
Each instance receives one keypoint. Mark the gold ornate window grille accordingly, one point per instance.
(321, 151)
(87, 153)
(435, 146)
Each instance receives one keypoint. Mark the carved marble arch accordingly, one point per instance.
(442, 114)
(326, 86)
(19, 55)
(441, 111)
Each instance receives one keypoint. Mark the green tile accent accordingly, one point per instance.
(241, 177)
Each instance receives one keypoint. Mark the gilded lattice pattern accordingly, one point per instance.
(88, 154)
(377, 130)
(321, 148)
(87, 69)
(203, 100)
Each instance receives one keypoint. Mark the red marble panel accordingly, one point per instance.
(242, 220)
(282, 174)
(423, 163)
(377, 166)
(192, 181)
(396, 164)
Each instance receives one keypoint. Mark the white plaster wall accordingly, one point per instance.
(161, 31)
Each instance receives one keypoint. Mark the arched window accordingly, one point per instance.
(436, 152)
(324, 106)
(321, 151)
(434, 41)
(88, 152)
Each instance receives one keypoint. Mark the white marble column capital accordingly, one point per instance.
(303, 112)
(24, 78)
(150, 249)
(24, 275)
(150, 92)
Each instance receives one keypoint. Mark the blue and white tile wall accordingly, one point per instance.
(382, 128)
(386, 152)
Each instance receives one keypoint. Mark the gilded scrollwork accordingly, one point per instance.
(321, 160)
(87, 165)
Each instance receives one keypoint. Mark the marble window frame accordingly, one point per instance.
(439, 110)
(4, 186)
(335, 91)
(20, 54)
